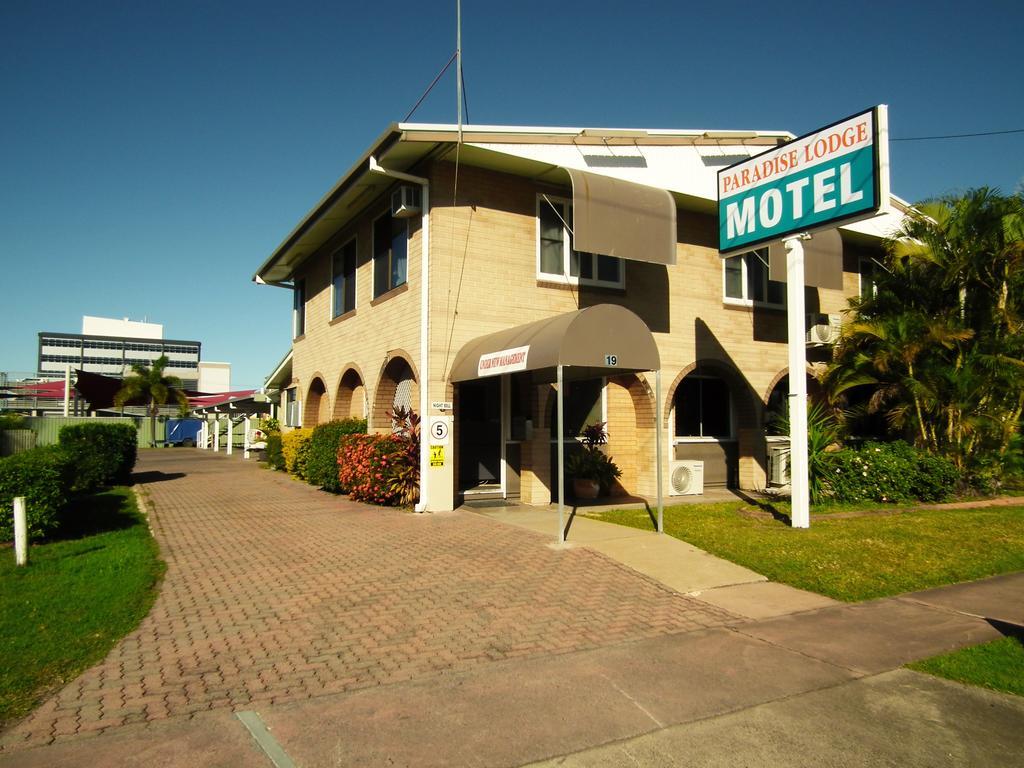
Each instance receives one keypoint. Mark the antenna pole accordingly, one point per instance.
(458, 62)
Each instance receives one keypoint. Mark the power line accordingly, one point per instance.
(960, 135)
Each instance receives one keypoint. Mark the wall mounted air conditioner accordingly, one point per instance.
(823, 329)
(686, 478)
(778, 464)
(406, 201)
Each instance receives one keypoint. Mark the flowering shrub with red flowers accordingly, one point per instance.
(383, 469)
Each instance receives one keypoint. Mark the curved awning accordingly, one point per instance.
(604, 336)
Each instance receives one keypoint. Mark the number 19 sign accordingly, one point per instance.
(839, 173)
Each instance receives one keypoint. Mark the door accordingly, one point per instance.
(480, 435)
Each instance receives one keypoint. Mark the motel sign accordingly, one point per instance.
(836, 174)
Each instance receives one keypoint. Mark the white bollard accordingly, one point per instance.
(20, 532)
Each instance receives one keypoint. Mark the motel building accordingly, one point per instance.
(459, 273)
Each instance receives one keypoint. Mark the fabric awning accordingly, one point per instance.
(604, 336)
(622, 218)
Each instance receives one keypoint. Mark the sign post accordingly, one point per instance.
(838, 174)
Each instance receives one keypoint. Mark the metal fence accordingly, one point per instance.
(45, 430)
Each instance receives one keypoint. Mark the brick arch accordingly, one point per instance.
(398, 367)
(317, 406)
(350, 394)
(631, 422)
(746, 402)
(814, 389)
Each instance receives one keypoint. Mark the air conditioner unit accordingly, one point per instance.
(823, 329)
(778, 464)
(406, 201)
(686, 478)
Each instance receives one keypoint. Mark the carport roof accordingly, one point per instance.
(606, 337)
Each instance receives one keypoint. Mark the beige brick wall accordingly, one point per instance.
(483, 278)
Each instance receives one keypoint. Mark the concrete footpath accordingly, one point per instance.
(365, 637)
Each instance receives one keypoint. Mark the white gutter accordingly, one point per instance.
(421, 506)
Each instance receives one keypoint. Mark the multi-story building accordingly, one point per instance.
(461, 271)
(110, 347)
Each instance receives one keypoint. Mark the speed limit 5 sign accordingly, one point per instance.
(440, 430)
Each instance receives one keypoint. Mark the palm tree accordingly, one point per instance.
(149, 384)
(939, 349)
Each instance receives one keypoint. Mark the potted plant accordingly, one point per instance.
(592, 471)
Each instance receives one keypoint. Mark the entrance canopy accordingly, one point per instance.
(597, 338)
(588, 343)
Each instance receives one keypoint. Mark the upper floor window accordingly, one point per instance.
(390, 253)
(746, 280)
(299, 308)
(556, 258)
(343, 279)
(868, 282)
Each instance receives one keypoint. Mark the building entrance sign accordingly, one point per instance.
(839, 173)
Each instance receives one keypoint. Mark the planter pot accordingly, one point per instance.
(585, 489)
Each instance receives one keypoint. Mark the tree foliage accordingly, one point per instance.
(938, 347)
(149, 385)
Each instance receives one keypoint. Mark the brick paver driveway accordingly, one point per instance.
(276, 591)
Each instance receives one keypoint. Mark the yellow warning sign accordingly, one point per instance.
(437, 455)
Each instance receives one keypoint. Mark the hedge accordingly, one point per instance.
(273, 454)
(295, 447)
(322, 455)
(104, 454)
(44, 476)
(889, 472)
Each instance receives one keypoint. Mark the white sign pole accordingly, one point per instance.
(20, 532)
(67, 390)
(800, 516)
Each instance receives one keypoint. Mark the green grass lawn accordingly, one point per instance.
(998, 665)
(80, 593)
(855, 558)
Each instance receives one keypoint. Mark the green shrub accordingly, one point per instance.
(322, 455)
(44, 477)
(888, 472)
(295, 447)
(104, 454)
(12, 421)
(936, 478)
(274, 455)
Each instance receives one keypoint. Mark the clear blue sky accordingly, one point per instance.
(155, 153)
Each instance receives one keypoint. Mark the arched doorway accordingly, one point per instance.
(713, 419)
(396, 387)
(318, 406)
(350, 400)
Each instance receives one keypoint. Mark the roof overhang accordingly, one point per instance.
(403, 145)
(596, 341)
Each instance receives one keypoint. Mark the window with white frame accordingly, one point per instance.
(298, 308)
(868, 282)
(556, 258)
(343, 279)
(291, 411)
(390, 253)
(745, 281)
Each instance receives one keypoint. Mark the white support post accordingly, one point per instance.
(561, 457)
(657, 451)
(800, 515)
(245, 447)
(231, 435)
(204, 433)
(216, 433)
(20, 532)
(67, 390)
